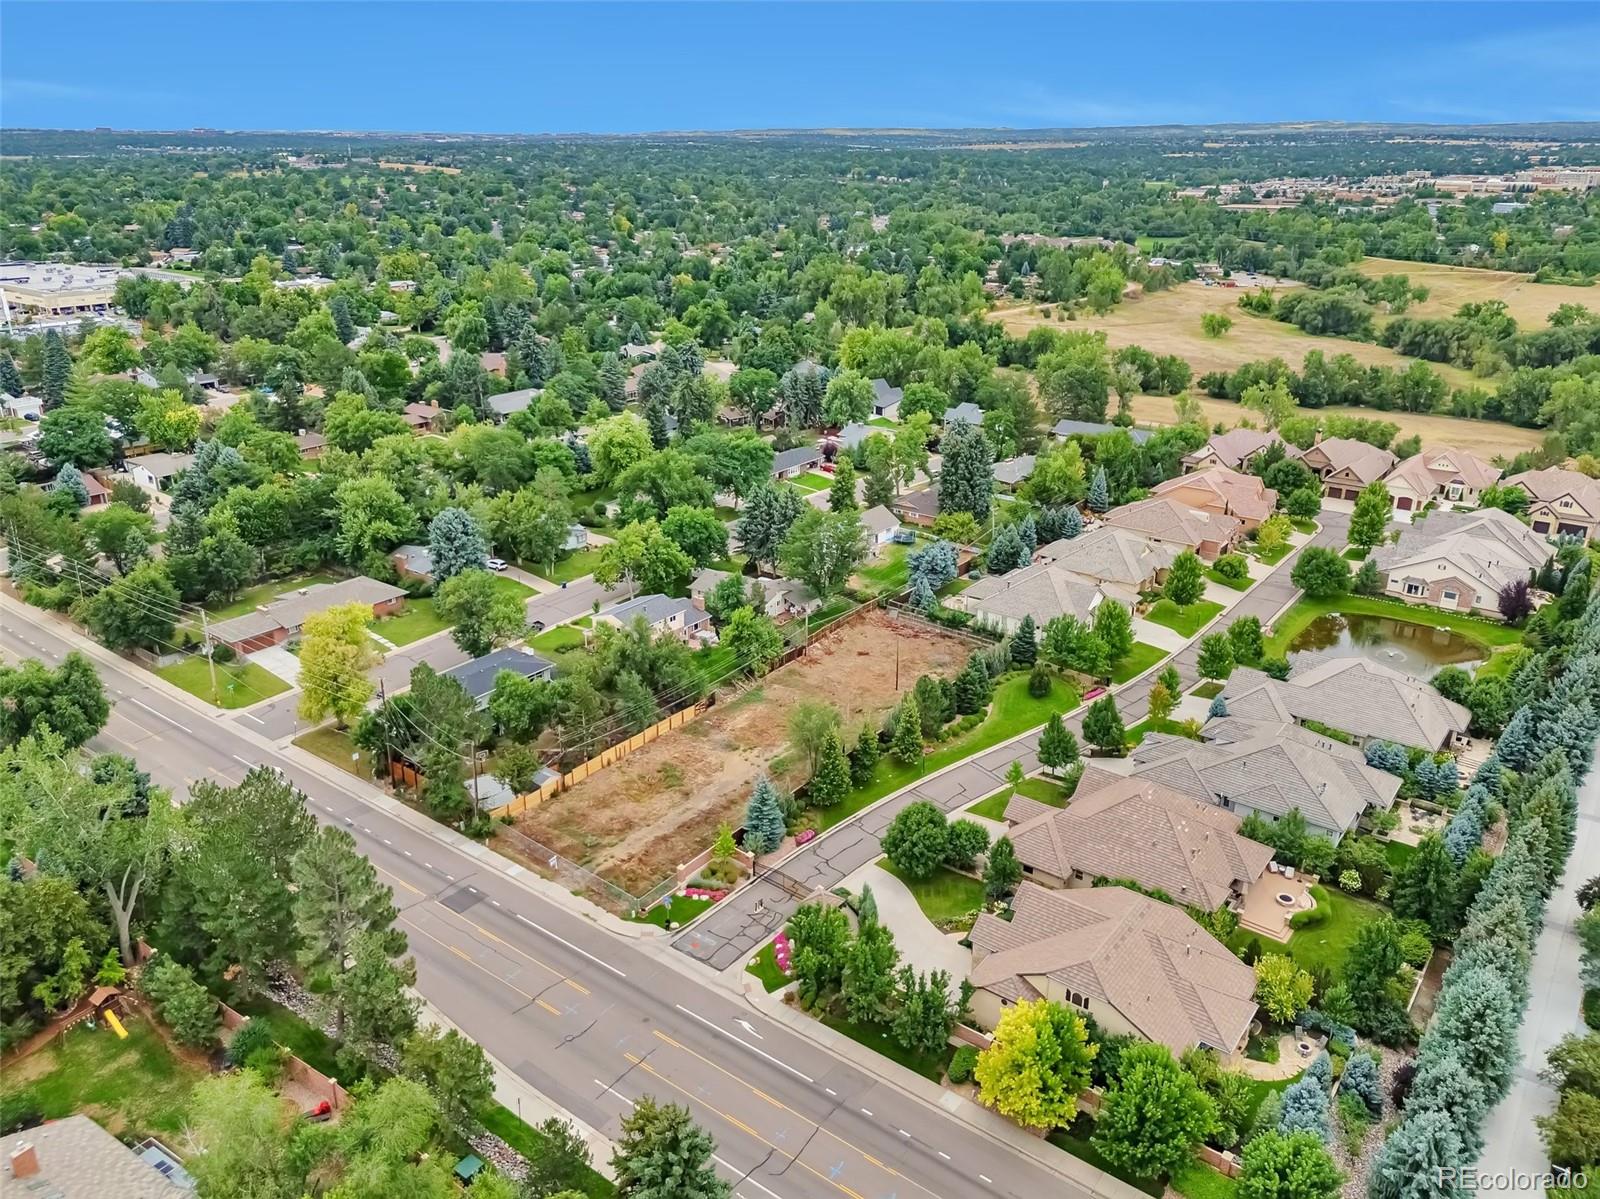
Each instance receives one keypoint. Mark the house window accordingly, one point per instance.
(1453, 491)
(1449, 596)
(1413, 588)
(1027, 870)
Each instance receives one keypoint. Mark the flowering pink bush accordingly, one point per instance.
(804, 835)
(780, 951)
(703, 893)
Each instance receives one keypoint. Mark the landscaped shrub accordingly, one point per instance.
(252, 1036)
(962, 1064)
(1305, 1108)
(1232, 566)
(1309, 918)
(187, 1007)
(1360, 1078)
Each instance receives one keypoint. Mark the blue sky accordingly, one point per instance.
(506, 67)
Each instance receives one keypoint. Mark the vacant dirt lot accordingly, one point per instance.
(635, 822)
(1168, 322)
(1449, 287)
(1486, 437)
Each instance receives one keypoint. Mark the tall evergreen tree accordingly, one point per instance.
(663, 1154)
(864, 757)
(1099, 491)
(1425, 888)
(966, 478)
(455, 544)
(56, 372)
(10, 377)
(763, 819)
(831, 782)
(1025, 643)
(1058, 748)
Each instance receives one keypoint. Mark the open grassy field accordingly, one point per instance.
(1168, 322)
(1449, 287)
(1485, 437)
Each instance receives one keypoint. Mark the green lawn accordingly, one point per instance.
(1356, 553)
(887, 572)
(138, 1087)
(953, 587)
(1325, 946)
(335, 747)
(994, 806)
(1398, 853)
(573, 567)
(945, 896)
(882, 422)
(1075, 1140)
(1013, 711)
(553, 641)
(1488, 634)
(1275, 555)
(1196, 1181)
(311, 1045)
(1141, 659)
(1136, 734)
(677, 910)
(765, 968)
(1186, 620)
(419, 618)
(876, 1037)
(1303, 524)
(813, 481)
(1502, 662)
(252, 598)
(1233, 584)
(239, 684)
(1209, 689)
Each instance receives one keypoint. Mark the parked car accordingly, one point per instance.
(496, 563)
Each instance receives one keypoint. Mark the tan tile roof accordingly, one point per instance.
(1552, 483)
(1352, 694)
(1121, 827)
(1170, 521)
(1365, 461)
(1111, 555)
(1043, 592)
(1237, 446)
(1426, 473)
(1222, 490)
(1149, 961)
(1490, 547)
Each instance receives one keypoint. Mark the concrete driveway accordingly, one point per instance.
(279, 661)
(921, 944)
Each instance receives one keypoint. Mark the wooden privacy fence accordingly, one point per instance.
(295, 1068)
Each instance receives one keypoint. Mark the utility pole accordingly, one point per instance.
(383, 730)
(211, 663)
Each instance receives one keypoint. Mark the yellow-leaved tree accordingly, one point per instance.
(1037, 1065)
(335, 654)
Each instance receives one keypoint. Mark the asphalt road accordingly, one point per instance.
(747, 918)
(592, 1020)
(280, 719)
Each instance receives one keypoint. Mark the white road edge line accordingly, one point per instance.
(944, 1155)
(726, 1164)
(724, 1033)
(567, 943)
(242, 761)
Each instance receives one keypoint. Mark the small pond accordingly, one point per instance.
(1416, 649)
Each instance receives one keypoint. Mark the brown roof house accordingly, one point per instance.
(74, 1158)
(1108, 554)
(1174, 523)
(421, 416)
(1439, 474)
(1561, 502)
(1235, 448)
(1135, 964)
(1223, 491)
(919, 507)
(278, 621)
(1345, 465)
(1459, 561)
(1131, 828)
(1269, 768)
(1369, 701)
(1042, 591)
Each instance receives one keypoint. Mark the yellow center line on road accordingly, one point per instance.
(477, 965)
(854, 1148)
(638, 1061)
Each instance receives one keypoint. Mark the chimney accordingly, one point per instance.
(24, 1161)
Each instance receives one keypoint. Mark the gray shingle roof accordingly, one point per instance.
(1110, 554)
(290, 611)
(80, 1160)
(1084, 428)
(1014, 470)
(1041, 591)
(964, 411)
(478, 675)
(1165, 975)
(655, 609)
(1352, 694)
(800, 455)
(508, 402)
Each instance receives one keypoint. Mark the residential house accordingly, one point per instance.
(1345, 465)
(1042, 591)
(577, 538)
(1113, 556)
(478, 676)
(1235, 449)
(964, 411)
(74, 1158)
(886, 400)
(1460, 561)
(1224, 491)
(1171, 522)
(919, 507)
(852, 435)
(421, 417)
(413, 562)
(1355, 696)
(1013, 472)
(99, 493)
(881, 525)
(508, 403)
(1064, 429)
(1137, 965)
(276, 622)
(1441, 474)
(23, 407)
(642, 353)
(494, 362)
(310, 445)
(1561, 502)
(661, 614)
(790, 464)
(1269, 769)
(155, 472)
(783, 598)
(1130, 828)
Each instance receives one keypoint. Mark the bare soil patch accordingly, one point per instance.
(1486, 437)
(1449, 287)
(1168, 322)
(637, 821)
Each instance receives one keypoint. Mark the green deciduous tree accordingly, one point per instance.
(1001, 870)
(753, 639)
(917, 840)
(137, 611)
(1185, 582)
(1153, 1115)
(1282, 988)
(335, 653)
(69, 701)
(1103, 727)
(1058, 748)
(483, 613)
(1321, 573)
(823, 549)
(1370, 520)
(1216, 656)
(1037, 1064)
(456, 1073)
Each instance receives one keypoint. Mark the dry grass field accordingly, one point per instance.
(1168, 322)
(636, 821)
(1449, 287)
(1485, 437)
